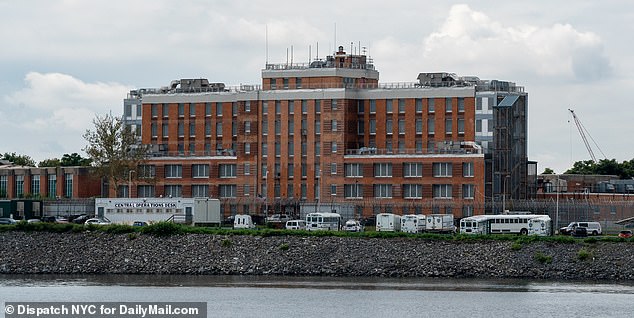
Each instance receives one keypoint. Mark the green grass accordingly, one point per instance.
(543, 258)
(584, 254)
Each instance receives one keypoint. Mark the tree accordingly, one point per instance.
(113, 149)
(74, 160)
(548, 171)
(624, 170)
(19, 160)
(54, 162)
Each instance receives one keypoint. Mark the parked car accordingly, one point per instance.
(33, 221)
(54, 219)
(7, 221)
(97, 221)
(296, 225)
(625, 234)
(81, 219)
(278, 218)
(353, 226)
(592, 228)
(139, 223)
(580, 232)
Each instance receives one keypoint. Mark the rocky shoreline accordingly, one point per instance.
(201, 254)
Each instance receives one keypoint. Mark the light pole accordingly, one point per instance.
(130, 183)
(557, 207)
(266, 196)
(504, 194)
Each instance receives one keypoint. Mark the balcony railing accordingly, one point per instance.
(370, 151)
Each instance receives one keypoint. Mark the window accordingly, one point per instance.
(382, 190)
(419, 126)
(278, 107)
(173, 191)
(333, 189)
(227, 190)
(19, 185)
(291, 127)
(304, 148)
(138, 110)
(154, 110)
(388, 146)
(441, 191)
(200, 171)
(317, 127)
(291, 149)
(467, 169)
(265, 108)
(154, 129)
(227, 170)
(200, 191)
(273, 83)
(290, 170)
(317, 106)
(401, 126)
(334, 146)
(333, 124)
(333, 168)
(291, 107)
(412, 191)
(181, 110)
(192, 110)
(382, 169)
(247, 148)
(181, 129)
(234, 109)
(166, 109)
(448, 105)
(353, 170)
(35, 185)
(360, 107)
(265, 149)
(146, 171)
(265, 127)
(372, 106)
(207, 109)
(448, 126)
(304, 106)
(247, 169)
(430, 126)
(145, 191)
(192, 129)
(276, 190)
(401, 146)
(412, 170)
(317, 148)
(207, 129)
(461, 104)
(285, 83)
(478, 127)
(360, 127)
(219, 129)
(247, 106)
(173, 171)
(431, 105)
(304, 190)
(246, 189)
(247, 127)
(165, 131)
(461, 126)
(278, 149)
(290, 191)
(333, 104)
(419, 146)
(372, 126)
(419, 105)
(298, 82)
(442, 169)
(127, 110)
(52, 185)
(278, 127)
(234, 128)
(401, 106)
(468, 191)
(304, 170)
(352, 191)
(388, 106)
(218, 109)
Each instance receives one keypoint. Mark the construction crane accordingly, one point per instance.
(582, 132)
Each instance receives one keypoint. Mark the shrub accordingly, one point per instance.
(132, 236)
(284, 247)
(516, 246)
(226, 243)
(543, 258)
(163, 228)
(584, 254)
(118, 228)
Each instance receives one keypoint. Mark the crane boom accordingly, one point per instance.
(582, 132)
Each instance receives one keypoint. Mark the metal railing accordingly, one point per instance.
(370, 151)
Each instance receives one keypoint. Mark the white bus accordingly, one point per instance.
(499, 224)
(540, 226)
(323, 221)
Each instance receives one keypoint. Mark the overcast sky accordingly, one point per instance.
(63, 62)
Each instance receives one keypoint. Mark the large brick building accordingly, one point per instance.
(329, 134)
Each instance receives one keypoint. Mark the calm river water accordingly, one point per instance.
(248, 296)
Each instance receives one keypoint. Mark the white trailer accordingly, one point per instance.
(388, 222)
(440, 223)
(196, 211)
(243, 221)
(413, 223)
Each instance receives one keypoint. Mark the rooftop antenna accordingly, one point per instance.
(335, 43)
(317, 55)
(266, 43)
(309, 53)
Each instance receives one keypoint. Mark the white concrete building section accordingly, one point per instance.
(196, 211)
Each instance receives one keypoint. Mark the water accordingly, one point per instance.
(247, 296)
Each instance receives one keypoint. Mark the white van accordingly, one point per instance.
(413, 223)
(388, 222)
(593, 228)
(296, 225)
(243, 221)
